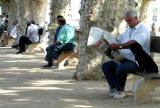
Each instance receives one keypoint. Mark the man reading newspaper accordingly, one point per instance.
(116, 72)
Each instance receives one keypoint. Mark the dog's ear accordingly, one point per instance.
(135, 48)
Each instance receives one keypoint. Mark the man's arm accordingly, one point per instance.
(29, 30)
(126, 45)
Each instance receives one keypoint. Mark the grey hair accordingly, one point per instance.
(132, 13)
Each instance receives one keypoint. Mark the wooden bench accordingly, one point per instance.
(66, 56)
(147, 82)
(11, 42)
(31, 47)
(42, 44)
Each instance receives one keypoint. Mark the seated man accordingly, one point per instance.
(116, 72)
(2, 21)
(4, 33)
(64, 41)
(31, 36)
(13, 34)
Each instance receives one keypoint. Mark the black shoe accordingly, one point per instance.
(19, 52)
(48, 65)
(2, 45)
(15, 46)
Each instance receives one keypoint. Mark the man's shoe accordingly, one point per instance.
(15, 46)
(112, 92)
(19, 52)
(47, 65)
(55, 63)
(3, 45)
(120, 94)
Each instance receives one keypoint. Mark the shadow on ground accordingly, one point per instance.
(23, 84)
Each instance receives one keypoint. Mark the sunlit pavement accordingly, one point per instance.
(23, 84)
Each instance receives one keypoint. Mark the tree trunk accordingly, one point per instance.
(143, 9)
(58, 7)
(106, 14)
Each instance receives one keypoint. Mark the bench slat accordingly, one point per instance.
(148, 75)
(155, 43)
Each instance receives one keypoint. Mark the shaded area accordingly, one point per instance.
(23, 84)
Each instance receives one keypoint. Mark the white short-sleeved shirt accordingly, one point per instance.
(13, 32)
(32, 33)
(139, 33)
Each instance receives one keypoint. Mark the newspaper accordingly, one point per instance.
(98, 35)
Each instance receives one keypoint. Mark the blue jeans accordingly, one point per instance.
(54, 50)
(116, 73)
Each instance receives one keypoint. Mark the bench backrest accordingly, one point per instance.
(155, 44)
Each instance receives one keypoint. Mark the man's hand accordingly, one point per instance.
(98, 43)
(114, 46)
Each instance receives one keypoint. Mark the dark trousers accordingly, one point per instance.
(116, 73)
(22, 42)
(1, 31)
(54, 50)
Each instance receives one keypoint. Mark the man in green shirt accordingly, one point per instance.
(65, 41)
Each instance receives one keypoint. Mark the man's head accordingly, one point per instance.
(15, 22)
(3, 14)
(28, 22)
(60, 20)
(131, 17)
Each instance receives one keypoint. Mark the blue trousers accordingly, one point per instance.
(116, 73)
(54, 50)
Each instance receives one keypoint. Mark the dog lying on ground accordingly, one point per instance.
(146, 63)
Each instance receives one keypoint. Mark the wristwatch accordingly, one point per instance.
(120, 46)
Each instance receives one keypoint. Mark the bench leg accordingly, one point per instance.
(42, 50)
(31, 47)
(62, 59)
(11, 42)
(143, 87)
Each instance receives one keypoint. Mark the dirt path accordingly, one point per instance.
(23, 84)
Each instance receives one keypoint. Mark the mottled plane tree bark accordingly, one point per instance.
(106, 14)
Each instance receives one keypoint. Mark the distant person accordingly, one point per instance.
(158, 31)
(12, 35)
(31, 36)
(2, 23)
(153, 30)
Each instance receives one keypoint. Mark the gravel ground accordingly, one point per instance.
(23, 84)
